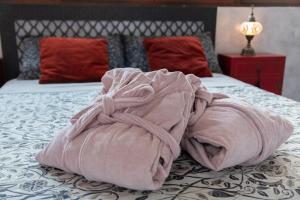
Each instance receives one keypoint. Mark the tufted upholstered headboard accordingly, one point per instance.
(20, 21)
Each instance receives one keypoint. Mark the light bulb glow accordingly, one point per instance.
(251, 28)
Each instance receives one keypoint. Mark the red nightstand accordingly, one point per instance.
(262, 70)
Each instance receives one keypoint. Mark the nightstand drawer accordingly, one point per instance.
(252, 68)
(244, 68)
(271, 68)
(272, 84)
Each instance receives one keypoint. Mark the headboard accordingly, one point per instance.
(19, 21)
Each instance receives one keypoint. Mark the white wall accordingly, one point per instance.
(281, 35)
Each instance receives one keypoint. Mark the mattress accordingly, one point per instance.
(30, 114)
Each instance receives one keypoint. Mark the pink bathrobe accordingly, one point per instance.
(130, 135)
(224, 132)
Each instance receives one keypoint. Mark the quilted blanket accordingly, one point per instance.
(29, 120)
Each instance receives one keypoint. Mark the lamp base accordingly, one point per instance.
(248, 51)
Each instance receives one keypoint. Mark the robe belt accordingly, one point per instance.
(108, 109)
(203, 99)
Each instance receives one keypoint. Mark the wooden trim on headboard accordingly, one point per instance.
(125, 2)
(270, 2)
(161, 2)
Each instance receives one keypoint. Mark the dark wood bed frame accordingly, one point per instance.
(9, 14)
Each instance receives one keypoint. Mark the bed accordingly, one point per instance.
(31, 114)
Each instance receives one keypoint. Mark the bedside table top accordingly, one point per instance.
(258, 55)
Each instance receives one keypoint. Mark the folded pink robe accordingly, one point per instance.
(131, 134)
(229, 132)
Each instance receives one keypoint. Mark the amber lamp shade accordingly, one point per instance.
(250, 29)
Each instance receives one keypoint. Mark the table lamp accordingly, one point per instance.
(250, 28)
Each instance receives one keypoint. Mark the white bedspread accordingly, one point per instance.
(30, 114)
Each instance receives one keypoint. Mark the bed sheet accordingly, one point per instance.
(15, 85)
(31, 114)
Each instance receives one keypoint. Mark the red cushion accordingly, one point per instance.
(72, 60)
(184, 53)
